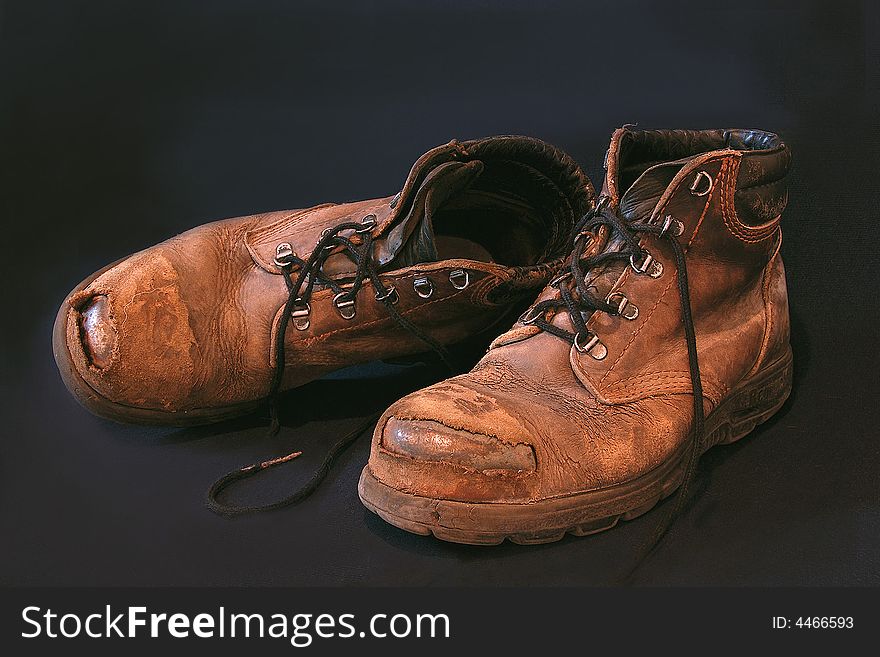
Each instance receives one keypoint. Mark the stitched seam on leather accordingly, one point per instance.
(279, 225)
(318, 338)
(668, 285)
(681, 388)
(481, 289)
(415, 274)
(768, 315)
(737, 228)
(260, 237)
(666, 374)
(252, 237)
(743, 188)
(660, 382)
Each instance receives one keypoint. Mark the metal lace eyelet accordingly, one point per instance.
(561, 277)
(673, 224)
(423, 287)
(648, 265)
(593, 346)
(700, 188)
(531, 316)
(625, 308)
(344, 306)
(284, 254)
(459, 279)
(394, 201)
(368, 223)
(325, 233)
(391, 294)
(300, 314)
(646, 262)
(584, 234)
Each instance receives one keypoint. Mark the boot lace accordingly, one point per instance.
(297, 308)
(579, 302)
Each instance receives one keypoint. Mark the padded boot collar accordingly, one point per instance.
(768, 158)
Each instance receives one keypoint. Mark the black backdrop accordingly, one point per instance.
(122, 123)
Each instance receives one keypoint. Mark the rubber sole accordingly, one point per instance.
(581, 514)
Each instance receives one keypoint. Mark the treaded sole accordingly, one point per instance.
(582, 514)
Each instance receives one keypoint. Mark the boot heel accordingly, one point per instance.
(753, 402)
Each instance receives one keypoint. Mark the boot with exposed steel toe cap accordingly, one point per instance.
(666, 333)
(206, 325)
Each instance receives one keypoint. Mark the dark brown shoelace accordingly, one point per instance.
(310, 274)
(576, 299)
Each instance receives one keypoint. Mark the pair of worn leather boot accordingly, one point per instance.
(658, 324)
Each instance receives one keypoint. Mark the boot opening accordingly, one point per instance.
(509, 200)
(640, 150)
(504, 216)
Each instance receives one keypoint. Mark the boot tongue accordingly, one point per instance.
(420, 246)
(638, 202)
(633, 186)
(415, 233)
(635, 199)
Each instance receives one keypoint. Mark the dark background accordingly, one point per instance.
(122, 123)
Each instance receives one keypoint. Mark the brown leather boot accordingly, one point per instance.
(584, 412)
(206, 325)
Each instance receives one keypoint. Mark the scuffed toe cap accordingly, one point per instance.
(450, 441)
(492, 436)
(431, 440)
(127, 337)
(174, 334)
